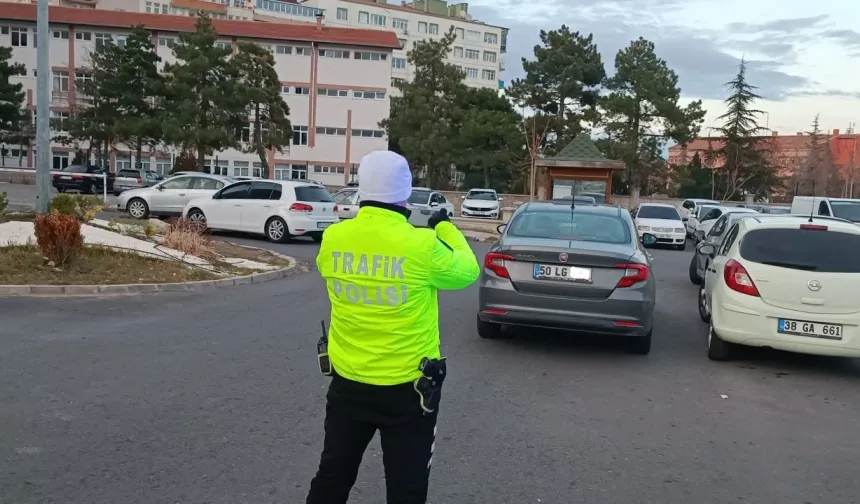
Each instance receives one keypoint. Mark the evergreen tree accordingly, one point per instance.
(12, 113)
(745, 164)
(423, 118)
(260, 92)
(204, 106)
(813, 176)
(642, 110)
(562, 82)
(137, 89)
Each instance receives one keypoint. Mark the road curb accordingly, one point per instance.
(128, 289)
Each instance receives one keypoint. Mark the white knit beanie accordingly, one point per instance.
(384, 176)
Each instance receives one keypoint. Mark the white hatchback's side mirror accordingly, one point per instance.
(462, 197)
(500, 200)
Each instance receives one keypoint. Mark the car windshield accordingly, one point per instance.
(570, 226)
(313, 194)
(703, 210)
(803, 249)
(779, 210)
(658, 212)
(482, 195)
(599, 198)
(849, 210)
(419, 197)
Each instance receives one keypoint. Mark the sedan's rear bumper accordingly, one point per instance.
(628, 314)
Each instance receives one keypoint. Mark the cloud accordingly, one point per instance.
(833, 93)
(848, 38)
(786, 25)
(700, 58)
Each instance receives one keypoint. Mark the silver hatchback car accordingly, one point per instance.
(570, 267)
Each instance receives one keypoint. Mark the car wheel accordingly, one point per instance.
(198, 220)
(681, 246)
(640, 344)
(704, 311)
(317, 238)
(277, 230)
(91, 189)
(61, 189)
(138, 208)
(694, 275)
(719, 350)
(489, 330)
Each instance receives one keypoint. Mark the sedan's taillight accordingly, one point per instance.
(738, 280)
(139, 180)
(633, 274)
(335, 209)
(301, 207)
(495, 262)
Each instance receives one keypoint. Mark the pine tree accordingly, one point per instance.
(745, 163)
(12, 113)
(260, 92)
(813, 177)
(203, 108)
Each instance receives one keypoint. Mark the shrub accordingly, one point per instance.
(58, 237)
(4, 202)
(186, 236)
(83, 208)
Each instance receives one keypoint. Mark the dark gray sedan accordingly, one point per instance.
(580, 268)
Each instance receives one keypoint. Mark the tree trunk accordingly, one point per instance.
(201, 157)
(139, 153)
(487, 176)
(258, 143)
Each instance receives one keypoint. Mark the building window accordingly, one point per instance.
(433, 29)
(61, 81)
(166, 42)
(61, 34)
(19, 71)
(398, 63)
(19, 37)
(120, 42)
(222, 45)
(491, 38)
(369, 95)
(282, 49)
(370, 56)
(473, 35)
(331, 170)
(257, 169)
(322, 130)
(333, 92)
(458, 32)
(285, 89)
(245, 133)
(372, 19)
(489, 56)
(60, 120)
(367, 133)
(300, 135)
(342, 14)
(300, 90)
(162, 166)
(240, 168)
(303, 51)
(220, 168)
(102, 39)
(472, 54)
(489, 75)
(400, 24)
(472, 73)
(83, 35)
(282, 171)
(422, 27)
(334, 53)
(458, 53)
(396, 81)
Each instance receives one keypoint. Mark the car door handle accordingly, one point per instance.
(182, 194)
(237, 205)
(267, 206)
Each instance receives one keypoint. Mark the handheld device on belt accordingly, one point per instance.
(322, 352)
(429, 385)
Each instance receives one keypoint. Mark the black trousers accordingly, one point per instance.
(354, 412)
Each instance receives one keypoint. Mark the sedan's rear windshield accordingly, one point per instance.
(803, 249)
(75, 169)
(570, 226)
(658, 212)
(313, 194)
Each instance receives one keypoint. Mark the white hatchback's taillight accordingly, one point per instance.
(738, 280)
(301, 207)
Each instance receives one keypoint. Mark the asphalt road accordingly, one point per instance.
(215, 398)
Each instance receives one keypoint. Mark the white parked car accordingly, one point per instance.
(697, 216)
(708, 221)
(843, 208)
(347, 202)
(785, 282)
(661, 220)
(277, 209)
(481, 203)
(168, 197)
(690, 206)
(424, 202)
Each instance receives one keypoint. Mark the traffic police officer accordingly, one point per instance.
(382, 351)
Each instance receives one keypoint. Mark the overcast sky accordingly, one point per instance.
(803, 55)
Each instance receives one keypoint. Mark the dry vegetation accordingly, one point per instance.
(22, 265)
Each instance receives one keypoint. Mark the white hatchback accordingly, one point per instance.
(788, 283)
(277, 209)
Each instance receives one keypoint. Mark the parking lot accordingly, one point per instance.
(215, 397)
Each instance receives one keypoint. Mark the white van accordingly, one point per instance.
(843, 208)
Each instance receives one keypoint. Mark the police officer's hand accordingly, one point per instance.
(437, 217)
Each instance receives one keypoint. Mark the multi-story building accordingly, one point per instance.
(335, 81)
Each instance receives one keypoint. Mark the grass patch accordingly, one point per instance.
(230, 250)
(17, 216)
(23, 265)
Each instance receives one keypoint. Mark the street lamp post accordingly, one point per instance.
(43, 112)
